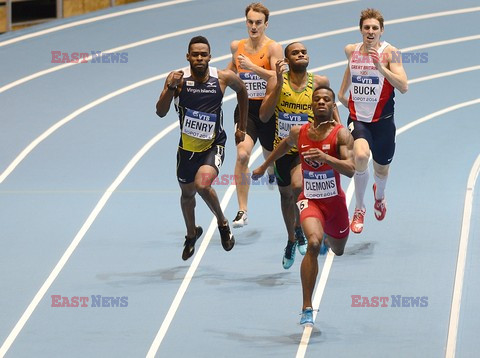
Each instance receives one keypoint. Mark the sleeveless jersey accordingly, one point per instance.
(293, 108)
(256, 86)
(199, 108)
(320, 181)
(371, 95)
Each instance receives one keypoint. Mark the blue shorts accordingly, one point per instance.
(379, 135)
(188, 162)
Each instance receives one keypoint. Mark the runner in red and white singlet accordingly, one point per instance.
(373, 72)
(326, 151)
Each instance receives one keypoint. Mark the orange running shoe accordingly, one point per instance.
(357, 223)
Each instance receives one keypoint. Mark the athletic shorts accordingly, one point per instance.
(283, 168)
(332, 213)
(379, 135)
(256, 129)
(188, 162)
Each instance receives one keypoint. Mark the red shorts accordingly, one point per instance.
(332, 213)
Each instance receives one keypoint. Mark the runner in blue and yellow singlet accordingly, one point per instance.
(198, 92)
(289, 98)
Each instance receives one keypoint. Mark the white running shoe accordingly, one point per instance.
(240, 220)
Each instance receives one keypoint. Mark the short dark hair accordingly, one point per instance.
(288, 46)
(258, 7)
(198, 40)
(327, 88)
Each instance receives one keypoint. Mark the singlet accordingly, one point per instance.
(293, 108)
(256, 86)
(371, 95)
(199, 108)
(320, 181)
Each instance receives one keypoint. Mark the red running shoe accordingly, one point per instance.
(357, 223)
(380, 206)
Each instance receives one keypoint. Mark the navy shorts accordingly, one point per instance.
(256, 129)
(379, 135)
(188, 162)
(283, 168)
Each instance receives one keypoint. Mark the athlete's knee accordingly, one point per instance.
(187, 195)
(314, 243)
(381, 171)
(243, 156)
(285, 193)
(296, 188)
(361, 158)
(203, 185)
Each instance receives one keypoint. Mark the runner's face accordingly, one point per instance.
(199, 57)
(256, 24)
(297, 56)
(371, 32)
(322, 103)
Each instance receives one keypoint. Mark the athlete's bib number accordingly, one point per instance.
(256, 86)
(199, 125)
(319, 185)
(287, 120)
(365, 89)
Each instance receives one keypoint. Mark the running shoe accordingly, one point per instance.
(307, 317)
(240, 220)
(301, 240)
(228, 241)
(289, 255)
(324, 246)
(357, 223)
(380, 206)
(189, 245)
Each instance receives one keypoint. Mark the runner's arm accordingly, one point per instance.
(280, 150)
(344, 164)
(171, 89)
(274, 89)
(346, 77)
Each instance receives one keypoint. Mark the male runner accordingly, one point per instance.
(253, 59)
(373, 72)
(326, 151)
(198, 93)
(289, 99)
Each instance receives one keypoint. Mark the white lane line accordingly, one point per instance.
(86, 226)
(27, 150)
(302, 348)
(229, 22)
(461, 260)
(81, 233)
(89, 21)
(31, 307)
(388, 22)
(411, 48)
(166, 36)
(444, 74)
(157, 341)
